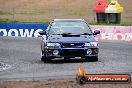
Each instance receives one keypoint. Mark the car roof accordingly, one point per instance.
(69, 20)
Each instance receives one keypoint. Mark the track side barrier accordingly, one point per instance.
(21, 29)
(32, 30)
(114, 32)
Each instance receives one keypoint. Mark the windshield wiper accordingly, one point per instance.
(86, 34)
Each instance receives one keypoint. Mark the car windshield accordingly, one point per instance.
(71, 28)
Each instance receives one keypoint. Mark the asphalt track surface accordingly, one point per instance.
(23, 56)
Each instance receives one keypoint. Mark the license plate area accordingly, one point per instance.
(72, 52)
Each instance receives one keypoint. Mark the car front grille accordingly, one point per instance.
(72, 45)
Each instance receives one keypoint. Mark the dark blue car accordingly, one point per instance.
(69, 38)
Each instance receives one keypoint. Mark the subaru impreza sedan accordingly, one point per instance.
(69, 38)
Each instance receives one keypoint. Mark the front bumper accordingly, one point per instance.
(72, 52)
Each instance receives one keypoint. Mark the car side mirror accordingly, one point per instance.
(42, 32)
(96, 32)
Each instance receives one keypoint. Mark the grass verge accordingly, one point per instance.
(47, 22)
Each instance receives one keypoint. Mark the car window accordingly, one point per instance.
(61, 27)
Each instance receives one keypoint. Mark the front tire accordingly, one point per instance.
(44, 57)
(95, 59)
(92, 58)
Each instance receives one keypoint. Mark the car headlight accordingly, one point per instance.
(94, 43)
(53, 44)
(91, 44)
(87, 44)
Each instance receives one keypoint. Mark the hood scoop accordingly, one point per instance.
(70, 35)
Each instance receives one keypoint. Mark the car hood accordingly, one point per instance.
(80, 39)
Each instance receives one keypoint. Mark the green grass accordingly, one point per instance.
(32, 11)
(45, 15)
(47, 22)
(4, 13)
(16, 21)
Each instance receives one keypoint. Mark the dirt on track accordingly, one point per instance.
(65, 83)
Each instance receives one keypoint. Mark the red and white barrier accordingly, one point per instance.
(113, 32)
